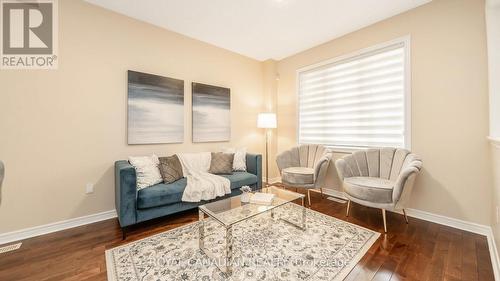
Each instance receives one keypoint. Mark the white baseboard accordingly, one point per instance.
(451, 222)
(495, 260)
(17, 235)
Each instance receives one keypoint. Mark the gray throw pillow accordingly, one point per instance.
(170, 168)
(221, 163)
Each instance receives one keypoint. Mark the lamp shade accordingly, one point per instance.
(266, 120)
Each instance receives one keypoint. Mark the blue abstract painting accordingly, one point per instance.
(155, 109)
(211, 113)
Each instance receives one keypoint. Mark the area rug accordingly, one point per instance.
(264, 248)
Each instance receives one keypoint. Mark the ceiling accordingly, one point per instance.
(261, 29)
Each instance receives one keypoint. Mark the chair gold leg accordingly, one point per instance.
(385, 221)
(406, 217)
(309, 197)
(348, 207)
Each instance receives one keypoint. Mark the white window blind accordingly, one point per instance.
(357, 101)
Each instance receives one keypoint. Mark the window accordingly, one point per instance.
(359, 100)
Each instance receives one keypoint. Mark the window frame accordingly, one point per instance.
(406, 42)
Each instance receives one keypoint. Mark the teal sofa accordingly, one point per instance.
(134, 206)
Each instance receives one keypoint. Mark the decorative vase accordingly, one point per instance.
(245, 197)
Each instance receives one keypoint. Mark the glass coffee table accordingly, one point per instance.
(230, 211)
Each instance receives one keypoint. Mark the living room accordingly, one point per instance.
(245, 140)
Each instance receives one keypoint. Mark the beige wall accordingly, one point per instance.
(449, 101)
(65, 128)
(493, 34)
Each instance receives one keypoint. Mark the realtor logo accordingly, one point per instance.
(29, 34)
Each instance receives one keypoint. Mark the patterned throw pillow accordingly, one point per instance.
(146, 169)
(221, 163)
(170, 168)
(240, 158)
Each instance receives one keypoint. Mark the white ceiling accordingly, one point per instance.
(261, 29)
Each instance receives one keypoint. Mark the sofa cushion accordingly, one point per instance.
(221, 163)
(161, 194)
(170, 168)
(239, 179)
(147, 172)
(371, 189)
(165, 194)
(298, 175)
(240, 158)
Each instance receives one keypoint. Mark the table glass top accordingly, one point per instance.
(231, 210)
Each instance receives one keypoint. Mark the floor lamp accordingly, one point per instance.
(267, 120)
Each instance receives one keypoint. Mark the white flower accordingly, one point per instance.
(246, 188)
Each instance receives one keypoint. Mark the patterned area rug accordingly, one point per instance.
(264, 248)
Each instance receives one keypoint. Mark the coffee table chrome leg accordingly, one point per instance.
(229, 251)
(299, 224)
(304, 212)
(201, 230)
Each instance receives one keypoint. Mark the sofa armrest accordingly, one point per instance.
(342, 169)
(320, 169)
(125, 193)
(254, 166)
(404, 182)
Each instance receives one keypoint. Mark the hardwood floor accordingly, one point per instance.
(419, 250)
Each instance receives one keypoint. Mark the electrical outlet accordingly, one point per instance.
(89, 188)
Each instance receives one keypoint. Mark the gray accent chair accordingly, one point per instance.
(304, 167)
(379, 178)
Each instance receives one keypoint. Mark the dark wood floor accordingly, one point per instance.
(419, 250)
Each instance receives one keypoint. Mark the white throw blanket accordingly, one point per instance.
(201, 185)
